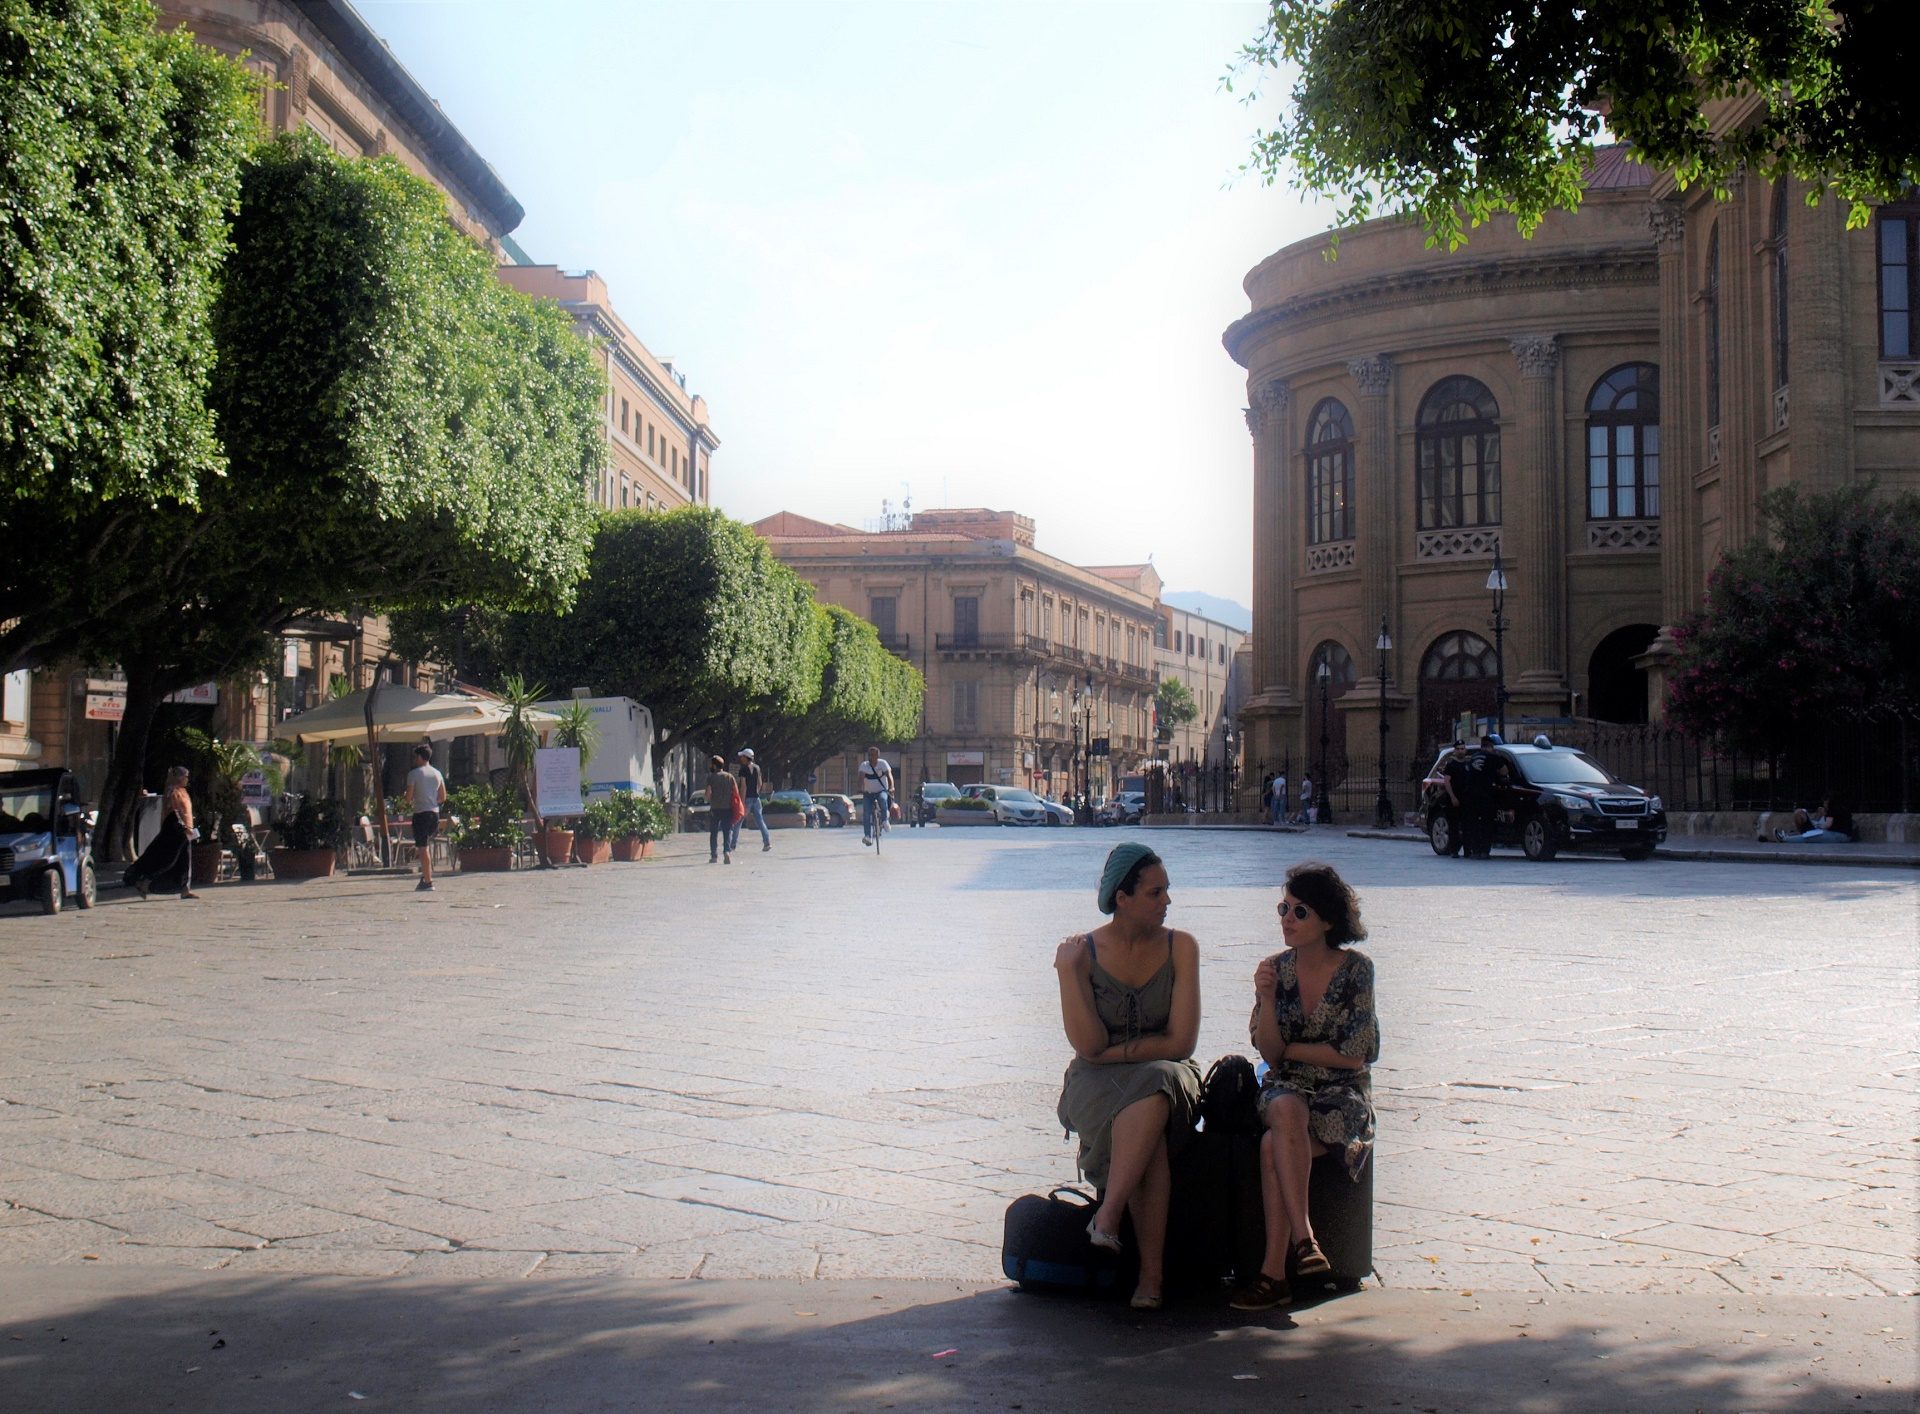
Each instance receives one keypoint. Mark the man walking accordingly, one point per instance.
(1277, 798)
(876, 789)
(426, 793)
(749, 776)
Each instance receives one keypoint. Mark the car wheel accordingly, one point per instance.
(1536, 840)
(1442, 835)
(52, 891)
(1637, 852)
(89, 885)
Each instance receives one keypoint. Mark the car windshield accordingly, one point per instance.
(799, 796)
(1017, 793)
(939, 788)
(27, 808)
(1564, 768)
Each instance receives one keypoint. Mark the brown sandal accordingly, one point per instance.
(1263, 1293)
(1309, 1260)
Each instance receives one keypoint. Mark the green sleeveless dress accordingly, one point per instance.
(1092, 1095)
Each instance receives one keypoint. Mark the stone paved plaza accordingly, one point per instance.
(1596, 1077)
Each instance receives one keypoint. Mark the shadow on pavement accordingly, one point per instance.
(94, 1339)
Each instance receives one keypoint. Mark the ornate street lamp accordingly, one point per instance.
(1383, 807)
(1497, 586)
(1323, 797)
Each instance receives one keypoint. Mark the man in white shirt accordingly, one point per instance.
(1277, 800)
(426, 793)
(876, 790)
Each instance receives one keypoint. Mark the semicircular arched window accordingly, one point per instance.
(1340, 669)
(1456, 657)
(1459, 455)
(1623, 444)
(1329, 473)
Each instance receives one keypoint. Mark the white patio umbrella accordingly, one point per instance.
(403, 713)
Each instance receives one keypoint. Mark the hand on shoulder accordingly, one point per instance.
(1071, 955)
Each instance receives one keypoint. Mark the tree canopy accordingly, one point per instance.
(123, 152)
(1174, 704)
(1452, 110)
(1816, 620)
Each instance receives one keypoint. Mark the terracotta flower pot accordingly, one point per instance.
(626, 851)
(302, 863)
(206, 864)
(588, 851)
(557, 846)
(485, 858)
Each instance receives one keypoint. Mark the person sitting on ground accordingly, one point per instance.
(1130, 999)
(1832, 823)
(1313, 1022)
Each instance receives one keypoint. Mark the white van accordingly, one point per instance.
(623, 756)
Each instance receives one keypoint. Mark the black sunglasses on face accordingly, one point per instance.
(1300, 912)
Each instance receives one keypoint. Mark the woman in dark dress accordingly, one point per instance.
(167, 862)
(1313, 1022)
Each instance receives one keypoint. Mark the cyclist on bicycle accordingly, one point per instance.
(876, 793)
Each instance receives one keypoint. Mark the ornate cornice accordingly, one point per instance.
(1537, 354)
(1667, 223)
(1598, 267)
(1373, 374)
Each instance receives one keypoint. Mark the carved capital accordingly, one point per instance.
(1667, 223)
(1269, 406)
(1537, 354)
(1372, 374)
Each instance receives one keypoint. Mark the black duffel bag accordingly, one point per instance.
(1045, 1246)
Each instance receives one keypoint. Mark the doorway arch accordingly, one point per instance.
(1456, 676)
(1616, 689)
(1341, 681)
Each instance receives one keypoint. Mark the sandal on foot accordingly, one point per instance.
(1142, 1302)
(1109, 1240)
(1263, 1293)
(1309, 1260)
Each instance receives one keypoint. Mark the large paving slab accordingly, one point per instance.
(1679, 1078)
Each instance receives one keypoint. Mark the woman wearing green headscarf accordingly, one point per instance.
(1130, 998)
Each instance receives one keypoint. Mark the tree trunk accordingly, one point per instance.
(120, 799)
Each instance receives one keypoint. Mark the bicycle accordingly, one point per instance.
(876, 822)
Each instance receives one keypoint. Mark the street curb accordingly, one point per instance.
(1731, 856)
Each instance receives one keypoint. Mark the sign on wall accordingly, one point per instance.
(105, 706)
(966, 758)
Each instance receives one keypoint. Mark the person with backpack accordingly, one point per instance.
(1130, 1001)
(1314, 1024)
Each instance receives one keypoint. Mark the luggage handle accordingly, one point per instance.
(1086, 1199)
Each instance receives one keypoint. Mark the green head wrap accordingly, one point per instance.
(1119, 864)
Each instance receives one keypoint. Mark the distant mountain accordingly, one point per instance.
(1221, 610)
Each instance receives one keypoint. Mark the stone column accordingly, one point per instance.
(1276, 534)
(1373, 477)
(1820, 411)
(1533, 531)
(1742, 345)
(1680, 445)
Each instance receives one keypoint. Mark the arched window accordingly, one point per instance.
(1623, 444)
(1457, 657)
(1329, 474)
(1710, 312)
(1456, 679)
(1459, 449)
(1780, 283)
(1323, 719)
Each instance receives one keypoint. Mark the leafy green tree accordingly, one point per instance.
(1175, 705)
(1815, 621)
(1452, 110)
(402, 430)
(867, 695)
(684, 610)
(123, 150)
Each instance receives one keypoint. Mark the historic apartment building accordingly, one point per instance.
(1024, 654)
(659, 443)
(1601, 406)
(1204, 654)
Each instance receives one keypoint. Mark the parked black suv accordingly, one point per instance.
(1555, 798)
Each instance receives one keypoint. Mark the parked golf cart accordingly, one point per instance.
(45, 850)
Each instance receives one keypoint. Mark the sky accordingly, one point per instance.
(969, 254)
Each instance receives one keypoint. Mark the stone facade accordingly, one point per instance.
(1024, 655)
(1204, 655)
(659, 444)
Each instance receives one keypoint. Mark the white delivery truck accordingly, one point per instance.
(623, 756)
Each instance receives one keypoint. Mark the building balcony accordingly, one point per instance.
(978, 642)
(898, 644)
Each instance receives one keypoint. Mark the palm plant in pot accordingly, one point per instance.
(310, 839)
(219, 770)
(574, 728)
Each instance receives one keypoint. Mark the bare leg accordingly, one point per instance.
(1273, 1261)
(1137, 1131)
(1292, 1151)
(1149, 1209)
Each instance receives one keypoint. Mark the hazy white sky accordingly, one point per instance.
(982, 251)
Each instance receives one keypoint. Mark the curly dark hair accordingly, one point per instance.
(1320, 887)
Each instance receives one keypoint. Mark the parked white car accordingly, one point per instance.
(1012, 805)
(1125, 808)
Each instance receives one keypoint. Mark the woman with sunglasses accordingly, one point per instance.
(1130, 998)
(1314, 1023)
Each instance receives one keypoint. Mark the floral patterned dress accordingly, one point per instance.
(1339, 1102)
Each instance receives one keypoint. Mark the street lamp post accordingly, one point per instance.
(1086, 757)
(1383, 807)
(1324, 797)
(1497, 586)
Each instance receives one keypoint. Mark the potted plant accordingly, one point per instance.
(219, 769)
(638, 820)
(593, 833)
(965, 810)
(486, 826)
(311, 840)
